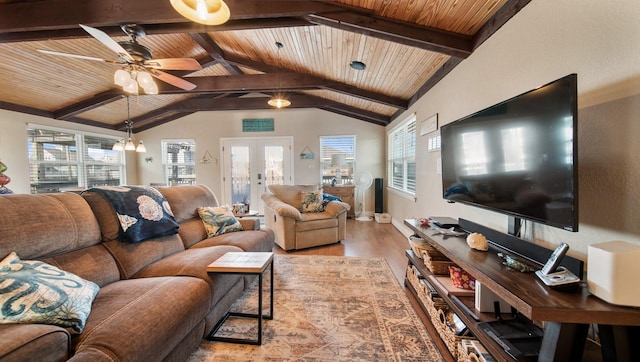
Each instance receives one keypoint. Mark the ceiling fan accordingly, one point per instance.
(137, 61)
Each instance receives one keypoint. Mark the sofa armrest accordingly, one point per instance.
(250, 223)
(31, 342)
(281, 208)
(336, 207)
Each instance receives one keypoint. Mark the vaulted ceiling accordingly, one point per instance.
(408, 46)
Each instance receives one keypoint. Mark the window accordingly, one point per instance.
(179, 158)
(401, 157)
(61, 159)
(337, 156)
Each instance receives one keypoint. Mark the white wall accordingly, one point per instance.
(547, 40)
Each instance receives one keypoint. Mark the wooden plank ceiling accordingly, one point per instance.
(407, 46)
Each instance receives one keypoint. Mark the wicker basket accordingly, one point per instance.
(451, 340)
(418, 244)
(437, 267)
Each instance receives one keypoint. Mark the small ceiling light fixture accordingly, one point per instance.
(207, 12)
(129, 145)
(357, 65)
(278, 100)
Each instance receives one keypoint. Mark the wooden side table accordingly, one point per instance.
(346, 193)
(247, 263)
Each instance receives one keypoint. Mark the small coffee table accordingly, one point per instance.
(248, 263)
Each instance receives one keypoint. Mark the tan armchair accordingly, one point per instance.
(295, 229)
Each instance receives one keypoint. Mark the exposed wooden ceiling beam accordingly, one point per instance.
(440, 41)
(88, 104)
(206, 43)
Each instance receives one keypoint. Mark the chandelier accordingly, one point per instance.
(207, 12)
(129, 145)
(278, 100)
(134, 76)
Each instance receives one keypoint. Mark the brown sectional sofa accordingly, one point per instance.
(156, 301)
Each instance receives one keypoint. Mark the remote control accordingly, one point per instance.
(555, 259)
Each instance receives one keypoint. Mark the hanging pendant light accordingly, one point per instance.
(278, 100)
(129, 145)
(207, 12)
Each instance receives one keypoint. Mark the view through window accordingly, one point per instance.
(66, 160)
(401, 157)
(337, 159)
(179, 159)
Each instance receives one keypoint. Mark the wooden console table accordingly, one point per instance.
(346, 193)
(567, 315)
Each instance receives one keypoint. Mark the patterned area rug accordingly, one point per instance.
(328, 308)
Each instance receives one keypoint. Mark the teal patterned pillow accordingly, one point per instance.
(36, 292)
(311, 201)
(218, 220)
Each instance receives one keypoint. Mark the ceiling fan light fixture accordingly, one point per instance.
(131, 86)
(207, 12)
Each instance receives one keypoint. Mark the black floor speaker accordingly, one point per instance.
(379, 184)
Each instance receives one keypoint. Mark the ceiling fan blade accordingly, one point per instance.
(172, 79)
(110, 43)
(174, 64)
(76, 56)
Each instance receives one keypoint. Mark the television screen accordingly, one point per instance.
(518, 157)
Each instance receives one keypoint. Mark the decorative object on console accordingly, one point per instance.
(4, 180)
(515, 263)
(461, 279)
(36, 292)
(612, 272)
(477, 241)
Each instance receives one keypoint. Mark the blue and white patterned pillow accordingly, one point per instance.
(218, 220)
(36, 292)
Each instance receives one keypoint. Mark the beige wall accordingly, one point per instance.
(306, 126)
(545, 41)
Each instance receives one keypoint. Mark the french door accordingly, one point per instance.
(250, 165)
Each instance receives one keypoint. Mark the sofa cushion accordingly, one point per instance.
(218, 220)
(143, 319)
(193, 263)
(311, 201)
(142, 212)
(38, 226)
(248, 240)
(36, 292)
(22, 342)
(290, 194)
(185, 200)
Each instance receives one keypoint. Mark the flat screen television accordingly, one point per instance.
(518, 157)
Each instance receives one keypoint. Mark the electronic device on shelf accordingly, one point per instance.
(554, 260)
(444, 222)
(555, 276)
(489, 157)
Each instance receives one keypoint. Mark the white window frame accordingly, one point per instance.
(403, 152)
(180, 163)
(82, 163)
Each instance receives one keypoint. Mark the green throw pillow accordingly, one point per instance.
(311, 201)
(36, 292)
(218, 220)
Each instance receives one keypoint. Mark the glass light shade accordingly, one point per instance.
(121, 77)
(141, 148)
(131, 86)
(144, 79)
(129, 146)
(207, 12)
(151, 88)
(118, 146)
(278, 102)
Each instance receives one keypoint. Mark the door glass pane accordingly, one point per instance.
(240, 173)
(273, 165)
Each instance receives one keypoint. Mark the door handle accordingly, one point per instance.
(259, 178)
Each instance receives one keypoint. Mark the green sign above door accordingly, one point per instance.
(257, 125)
